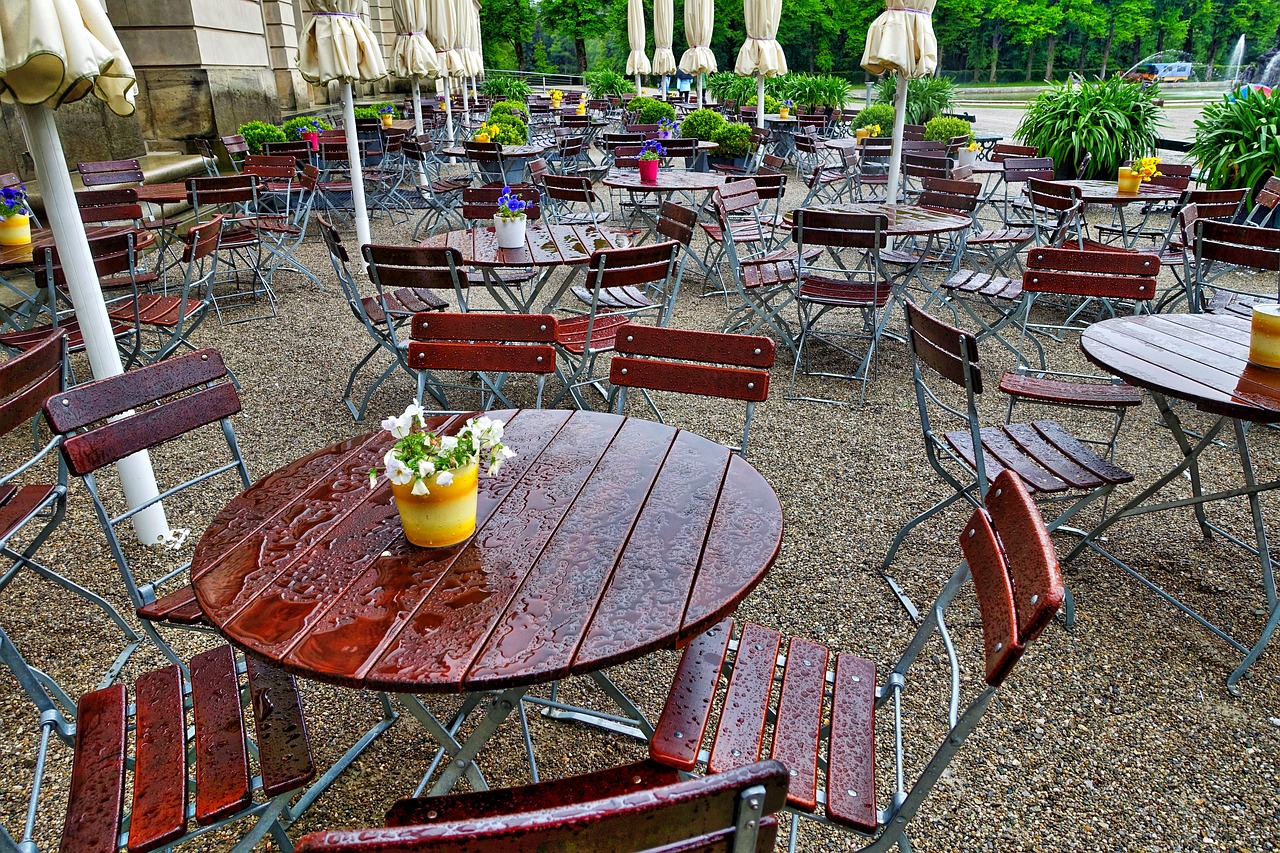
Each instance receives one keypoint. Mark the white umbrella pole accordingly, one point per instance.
(760, 100)
(638, 92)
(448, 109)
(353, 159)
(136, 476)
(699, 91)
(417, 127)
(417, 107)
(895, 154)
(466, 104)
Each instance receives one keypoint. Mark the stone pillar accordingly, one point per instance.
(203, 66)
(280, 18)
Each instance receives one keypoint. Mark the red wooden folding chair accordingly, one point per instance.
(823, 720)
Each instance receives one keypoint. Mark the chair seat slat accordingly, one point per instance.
(741, 730)
(851, 755)
(159, 813)
(222, 763)
(92, 823)
(798, 730)
(679, 733)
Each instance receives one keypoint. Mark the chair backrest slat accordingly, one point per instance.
(676, 222)
(841, 230)
(937, 345)
(111, 205)
(694, 815)
(412, 266)
(202, 240)
(106, 398)
(28, 379)
(1017, 595)
(632, 266)
(689, 345)
(1077, 272)
(88, 451)
(107, 172)
(1244, 245)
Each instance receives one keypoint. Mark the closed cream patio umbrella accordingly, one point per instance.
(901, 41)
(441, 29)
(664, 19)
(338, 45)
(699, 23)
(413, 56)
(637, 62)
(761, 54)
(475, 44)
(53, 52)
(461, 42)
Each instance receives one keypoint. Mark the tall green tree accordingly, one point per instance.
(577, 21)
(508, 21)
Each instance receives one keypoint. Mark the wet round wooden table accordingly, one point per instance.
(1108, 192)
(547, 247)
(605, 539)
(905, 220)
(1202, 359)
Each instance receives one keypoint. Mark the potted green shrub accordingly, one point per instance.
(1114, 120)
(651, 111)
(306, 127)
(505, 87)
(258, 133)
(1230, 146)
(701, 124)
(947, 128)
(880, 115)
(734, 141)
(605, 82)
(927, 97)
(504, 129)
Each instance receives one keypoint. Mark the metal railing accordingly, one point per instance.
(541, 80)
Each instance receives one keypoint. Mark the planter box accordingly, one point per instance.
(514, 175)
(736, 162)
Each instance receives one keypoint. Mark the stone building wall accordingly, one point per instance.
(204, 67)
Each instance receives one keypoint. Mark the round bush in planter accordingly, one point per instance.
(649, 110)
(735, 144)
(946, 128)
(880, 114)
(1230, 145)
(258, 133)
(702, 124)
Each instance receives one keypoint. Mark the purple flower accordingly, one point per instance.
(13, 201)
(510, 205)
(652, 150)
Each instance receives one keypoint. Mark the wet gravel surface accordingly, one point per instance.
(1117, 734)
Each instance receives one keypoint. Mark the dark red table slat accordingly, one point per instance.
(603, 540)
(576, 564)
(1198, 359)
(745, 536)
(651, 584)
(441, 640)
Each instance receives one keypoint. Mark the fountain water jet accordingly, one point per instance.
(1232, 71)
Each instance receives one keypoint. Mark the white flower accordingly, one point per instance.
(373, 479)
(444, 478)
(499, 455)
(399, 427)
(448, 443)
(397, 471)
(426, 468)
(420, 487)
(415, 411)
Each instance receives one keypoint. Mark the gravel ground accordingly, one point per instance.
(1116, 735)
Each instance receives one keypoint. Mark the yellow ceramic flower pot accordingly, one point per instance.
(582, 108)
(555, 102)
(15, 230)
(444, 516)
(1129, 180)
(784, 112)
(861, 134)
(387, 119)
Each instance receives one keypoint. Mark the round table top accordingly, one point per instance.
(904, 219)
(669, 180)
(545, 245)
(510, 151)
(777, 117)
(1200, 358)
(986, 167)
(605, 539)
(1108, 192)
